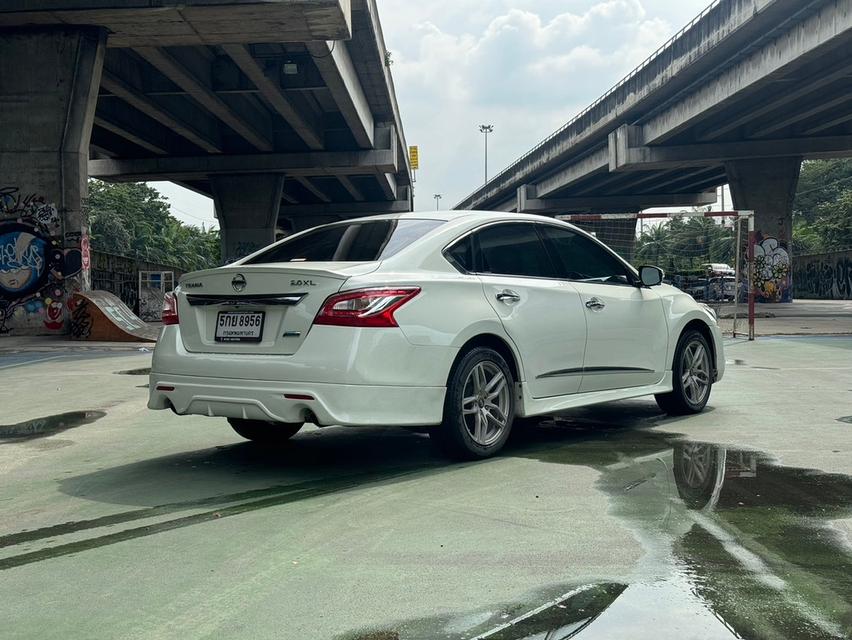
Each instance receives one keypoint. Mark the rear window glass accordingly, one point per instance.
(349, 242)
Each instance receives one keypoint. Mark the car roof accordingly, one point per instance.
(452, 215)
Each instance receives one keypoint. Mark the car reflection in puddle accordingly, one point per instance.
(736, 546)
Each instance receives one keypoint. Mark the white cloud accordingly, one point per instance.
(525, 66)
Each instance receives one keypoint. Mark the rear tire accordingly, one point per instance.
(265, 432)
(692, 376)
(479, 406)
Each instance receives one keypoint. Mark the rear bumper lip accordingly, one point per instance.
(332, 404)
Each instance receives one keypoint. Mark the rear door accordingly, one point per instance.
(626, 325)
(542, 314)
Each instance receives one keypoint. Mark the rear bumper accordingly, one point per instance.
(330, 404)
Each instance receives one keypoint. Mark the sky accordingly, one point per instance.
(524, 66)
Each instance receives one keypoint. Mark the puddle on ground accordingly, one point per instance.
(735, 546)
(48, 426)
(144, 371)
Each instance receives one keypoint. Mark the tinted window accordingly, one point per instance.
(583, 259)
(461, 254)
(349, 242)
(513, 249)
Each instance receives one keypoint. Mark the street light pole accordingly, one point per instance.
(437, 197)
(486, 129)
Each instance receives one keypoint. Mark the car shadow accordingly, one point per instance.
(193, 487)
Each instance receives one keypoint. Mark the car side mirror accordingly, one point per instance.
(651, 276)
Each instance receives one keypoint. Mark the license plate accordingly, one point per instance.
(239, 326)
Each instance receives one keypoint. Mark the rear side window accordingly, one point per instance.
(513, 249)
(364, 241)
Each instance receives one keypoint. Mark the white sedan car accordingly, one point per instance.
(463, 321)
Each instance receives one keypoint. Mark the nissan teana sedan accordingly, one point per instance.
(464, 322)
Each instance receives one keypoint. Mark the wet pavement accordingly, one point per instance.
(608, 522)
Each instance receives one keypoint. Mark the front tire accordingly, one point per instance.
(692, 376)
(265, 432)
(479, 406)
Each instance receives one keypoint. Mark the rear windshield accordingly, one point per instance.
(364, 241)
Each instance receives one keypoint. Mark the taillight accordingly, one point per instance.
(365, 307)
(170, 309)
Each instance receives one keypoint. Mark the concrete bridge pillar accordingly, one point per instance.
(247, 206)
(49, 80)
(768, 187)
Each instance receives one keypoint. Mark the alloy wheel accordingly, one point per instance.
(695, 372)
(485, 403)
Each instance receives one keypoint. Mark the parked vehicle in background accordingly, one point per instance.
(462, 321)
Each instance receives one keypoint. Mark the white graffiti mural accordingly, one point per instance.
(772, 276)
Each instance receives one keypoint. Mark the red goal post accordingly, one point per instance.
(708, 254)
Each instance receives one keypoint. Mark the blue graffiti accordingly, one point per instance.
(23, 260)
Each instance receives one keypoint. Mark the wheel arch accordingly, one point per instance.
(704, 329)
(492, 341)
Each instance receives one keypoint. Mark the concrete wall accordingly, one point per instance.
(824, 276)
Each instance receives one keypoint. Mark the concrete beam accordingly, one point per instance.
(150, 108)
(818, 106)
(128, 134)
(827, 26)
(790, 94)
(201, 93)
(338, 72)
(527, 202)
(303, 125)
(627, 153)
(133, 23)
(595, 162)
(350, 187)
(312, 188)
(313, 163)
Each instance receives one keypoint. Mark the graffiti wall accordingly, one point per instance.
(824, 276)
(773, 278)
(37, 272)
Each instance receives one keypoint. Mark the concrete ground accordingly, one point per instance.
(119, 522)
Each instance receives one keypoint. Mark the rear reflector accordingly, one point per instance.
(164, 387)
(298, 396)
(365, 307)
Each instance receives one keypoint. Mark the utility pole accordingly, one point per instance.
(486, 129)
(437, 197)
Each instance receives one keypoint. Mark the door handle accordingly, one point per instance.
(507, 296)
(595, 305)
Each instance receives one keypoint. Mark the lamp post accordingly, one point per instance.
(486, 129)
(437, 197)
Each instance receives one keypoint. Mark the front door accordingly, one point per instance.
(627, 334)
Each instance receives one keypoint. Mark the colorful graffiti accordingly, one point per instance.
(34, 265)
(826, 276)
(772, 276)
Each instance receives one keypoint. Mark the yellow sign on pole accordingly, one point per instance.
(414, 157)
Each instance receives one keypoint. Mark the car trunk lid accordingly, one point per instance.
(288, 295)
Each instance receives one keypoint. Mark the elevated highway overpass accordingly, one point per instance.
(283, 111)
(740, 96)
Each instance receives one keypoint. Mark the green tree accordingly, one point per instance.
(134, 219)
(822, 210)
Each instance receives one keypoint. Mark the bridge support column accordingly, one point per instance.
(247, 206)
(49, 80)
(768, 187)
